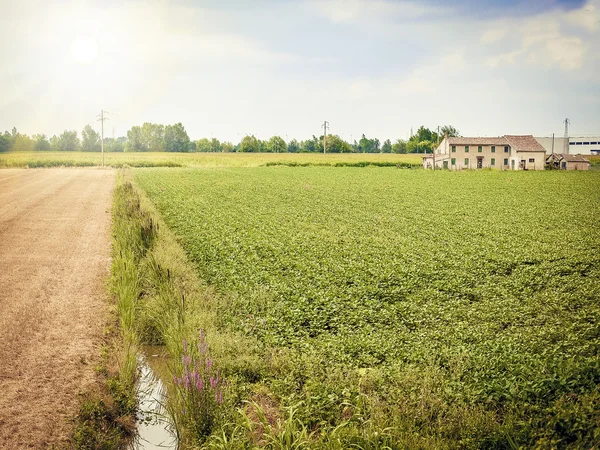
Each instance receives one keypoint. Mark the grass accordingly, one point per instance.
(87, 159)
(392, 309)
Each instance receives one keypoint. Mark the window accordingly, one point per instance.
(467, 162)
(506, 161)
(585, 143)
(578, 143)
(466, 149)
(593, 143)
(454, 148)
(506, 149)
(480, 149)
(571, 143)
(493, 161)
(453, 161)
(532, 160)
(493, 149)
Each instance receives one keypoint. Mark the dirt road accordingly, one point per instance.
(54, 260)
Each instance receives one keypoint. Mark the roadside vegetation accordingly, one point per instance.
(166, 159)
(379, 308)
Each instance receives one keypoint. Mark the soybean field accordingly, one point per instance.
(454, 309)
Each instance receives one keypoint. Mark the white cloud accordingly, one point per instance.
(547, 40)
(494, 35)
(587, 17)
(350, 11)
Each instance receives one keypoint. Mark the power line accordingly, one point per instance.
(566, 143)
(101, 118)
(325, 125)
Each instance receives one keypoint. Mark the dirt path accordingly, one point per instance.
(54, 260)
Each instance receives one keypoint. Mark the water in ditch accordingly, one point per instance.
(154, 429)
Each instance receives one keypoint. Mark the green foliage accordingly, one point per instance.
(366, 145)
(408, 320)
(90, 139)
(386, 147)
(277, 145)
(399, 146)
(41, 142)
(249, 144)
(5, 142)
(68, 141)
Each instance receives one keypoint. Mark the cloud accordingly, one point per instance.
(587, 17)
(547, 40)
(351, 11)
(494, 35)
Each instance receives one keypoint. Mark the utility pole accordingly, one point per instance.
(102, 119)
(553, 143)
(325, 125)
(566, 143)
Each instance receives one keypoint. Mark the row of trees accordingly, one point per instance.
(68, 140)
(152, 137)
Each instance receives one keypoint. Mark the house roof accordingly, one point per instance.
(567, 158)
(575, 158)
(477, 141)
(526, 143)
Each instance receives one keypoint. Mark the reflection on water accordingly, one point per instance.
(154, 429)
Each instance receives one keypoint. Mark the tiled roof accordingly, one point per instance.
(574, 158)
(477, 141)
(525, 143)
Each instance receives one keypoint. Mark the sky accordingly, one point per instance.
(227, 68)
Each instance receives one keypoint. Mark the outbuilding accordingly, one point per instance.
(568, 162)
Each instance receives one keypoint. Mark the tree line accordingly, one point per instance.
(151, 137)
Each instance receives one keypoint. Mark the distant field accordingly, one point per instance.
(458, 306)
(54, 159)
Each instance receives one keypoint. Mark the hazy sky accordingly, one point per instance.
(264, 67)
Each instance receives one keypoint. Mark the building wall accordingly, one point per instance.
(469, 159)
(577, 145)
(533, 160)
(577, 166)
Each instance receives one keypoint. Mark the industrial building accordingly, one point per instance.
(577, 145)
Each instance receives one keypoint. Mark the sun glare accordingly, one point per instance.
(84, 50)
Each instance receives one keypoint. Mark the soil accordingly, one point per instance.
(54, 263)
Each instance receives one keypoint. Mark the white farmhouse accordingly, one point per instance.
(504, 152)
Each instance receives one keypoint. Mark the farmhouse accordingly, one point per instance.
(504, 152)
(568, 162)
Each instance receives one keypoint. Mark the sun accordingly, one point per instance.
(84, 50)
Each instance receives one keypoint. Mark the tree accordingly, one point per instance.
(115, 145)
(386, 147)
(153, 137)
(68, 141)
(54, 143)
(23, 143)
(277, 145)
(90, 139)
(135, 141)
(399, 146)
(366, 145)
(176, 138)
(449, 131)
(294, 146)
(41, 142)
(227, 147)
(215, 145)
(249, 144)
(203, 145)
(5, 142)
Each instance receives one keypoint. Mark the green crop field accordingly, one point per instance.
(165, 159)
(453, 309)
